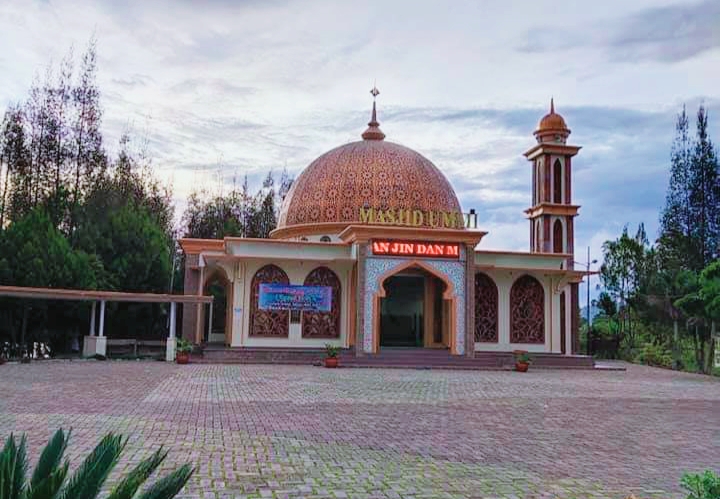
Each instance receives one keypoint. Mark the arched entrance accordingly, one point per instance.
(414, 310)
(215, 328)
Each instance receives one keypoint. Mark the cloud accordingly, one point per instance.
(665, 34)
(225, 88)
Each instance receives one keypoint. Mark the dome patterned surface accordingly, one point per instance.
(552, 121)
(365, 174)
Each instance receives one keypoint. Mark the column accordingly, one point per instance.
(90, 339)
(171, 340)
(101, 345)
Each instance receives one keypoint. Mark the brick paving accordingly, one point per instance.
(288, 431)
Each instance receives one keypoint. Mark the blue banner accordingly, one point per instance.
(294, 297)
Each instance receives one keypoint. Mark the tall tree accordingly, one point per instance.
(89, 157)
(704, 194)
(17, 183)
(676, 218)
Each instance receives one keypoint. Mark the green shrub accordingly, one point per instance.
(701, 485)
(654, 355)
(183, 346)
(331, 350)
(50, 477)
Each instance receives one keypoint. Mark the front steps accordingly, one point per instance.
(394, 358)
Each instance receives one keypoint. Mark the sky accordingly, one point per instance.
(224, 88)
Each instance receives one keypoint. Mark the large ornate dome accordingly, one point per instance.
(333, 191)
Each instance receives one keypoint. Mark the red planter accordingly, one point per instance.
(182, 357)
(521, 367)
(331, 362)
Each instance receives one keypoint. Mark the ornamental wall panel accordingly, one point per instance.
(486, 309)
(323, 324)
(268, 323)
(527, 311)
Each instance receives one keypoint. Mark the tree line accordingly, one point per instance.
(660, 302)
(74, 216)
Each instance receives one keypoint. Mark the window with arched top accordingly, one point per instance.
(323, 324)
(527, 311)
(325, 239)
(557, 182)
(486, 309)
(268, 323)
(557, 237)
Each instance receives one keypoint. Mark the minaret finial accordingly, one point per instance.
(552, 106)
(373, 132)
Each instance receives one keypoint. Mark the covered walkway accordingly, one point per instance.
(96, 342)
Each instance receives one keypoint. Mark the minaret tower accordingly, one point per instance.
(552, 212)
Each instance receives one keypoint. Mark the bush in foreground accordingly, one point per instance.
(50, 477)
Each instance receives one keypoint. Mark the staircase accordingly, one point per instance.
(393, 358)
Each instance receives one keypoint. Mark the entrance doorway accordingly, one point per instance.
(216, 332)
(413, 310)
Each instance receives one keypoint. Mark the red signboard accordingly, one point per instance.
(415, 248)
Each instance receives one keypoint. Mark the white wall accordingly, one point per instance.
(297, 271)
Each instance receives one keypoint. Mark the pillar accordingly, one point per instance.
(191, 312)
(171, 340)
(96, 345)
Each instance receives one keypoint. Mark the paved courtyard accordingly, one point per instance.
(285, 431)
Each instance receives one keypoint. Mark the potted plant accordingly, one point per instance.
(522, 360)
(182, 351)
(331, 355)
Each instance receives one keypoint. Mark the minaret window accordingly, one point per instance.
(557, 182)
(557, 237)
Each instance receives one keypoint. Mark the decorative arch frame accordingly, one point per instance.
(268, 323)
(323, 324)
(527, 310)
(487, 301)
(449, 295)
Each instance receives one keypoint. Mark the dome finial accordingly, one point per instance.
(373, 131)
(552, 106)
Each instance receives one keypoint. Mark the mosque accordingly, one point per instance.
(372, 251)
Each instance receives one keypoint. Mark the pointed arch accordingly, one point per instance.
(557, 182)
(527, 311)
(558, 239)
(323, 324)
(486, 309)
(268, 323)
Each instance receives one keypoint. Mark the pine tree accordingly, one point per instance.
(704, 197)
(675, 220)
(17, 184)
(87, 149)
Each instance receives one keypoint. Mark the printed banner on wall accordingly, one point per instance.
(294, 297)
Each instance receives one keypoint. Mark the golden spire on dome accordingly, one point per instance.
(373, 131)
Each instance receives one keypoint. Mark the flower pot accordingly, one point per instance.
(182, 357)
(331, 361)
(522, 366)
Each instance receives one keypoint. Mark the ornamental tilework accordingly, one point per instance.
(367, 173)
(376, 267)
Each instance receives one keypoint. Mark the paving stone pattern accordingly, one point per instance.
(261, 431)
